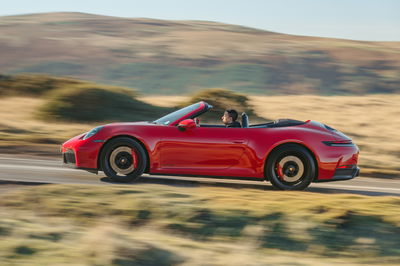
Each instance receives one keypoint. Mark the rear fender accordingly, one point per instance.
(296, 142)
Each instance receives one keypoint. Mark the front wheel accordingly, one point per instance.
(290, 167)
(123, 160)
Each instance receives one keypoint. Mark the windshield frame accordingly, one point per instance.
(193, 110)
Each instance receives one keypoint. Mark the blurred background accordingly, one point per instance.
(336, 62)
(66, 66)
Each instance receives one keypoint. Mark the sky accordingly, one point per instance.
(371, 20)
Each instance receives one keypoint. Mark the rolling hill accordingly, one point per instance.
(179, 57)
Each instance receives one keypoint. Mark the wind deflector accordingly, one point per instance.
(280, 123)
(205, 109)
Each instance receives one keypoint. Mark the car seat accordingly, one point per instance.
(245, 120)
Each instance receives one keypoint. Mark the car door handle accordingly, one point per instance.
(238, 141)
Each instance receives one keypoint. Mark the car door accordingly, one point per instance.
(205, 148)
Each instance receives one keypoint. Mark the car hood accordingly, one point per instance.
(118, 124)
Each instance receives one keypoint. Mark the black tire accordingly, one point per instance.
(123, 160)
(290, 167)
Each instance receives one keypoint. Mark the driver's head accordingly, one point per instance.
(230, 115)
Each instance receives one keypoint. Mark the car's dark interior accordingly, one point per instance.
(245, 120)
(277, 123)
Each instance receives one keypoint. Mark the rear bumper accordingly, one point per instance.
(343, 174)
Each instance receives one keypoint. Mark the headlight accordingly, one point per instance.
(92, 132)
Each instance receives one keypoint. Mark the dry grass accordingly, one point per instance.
(163, 100)
(19, 114)
(149, 224)
(20, 130)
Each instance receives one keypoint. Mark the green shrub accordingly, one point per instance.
(97, 103)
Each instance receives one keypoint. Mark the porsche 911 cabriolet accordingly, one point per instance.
(288, 153)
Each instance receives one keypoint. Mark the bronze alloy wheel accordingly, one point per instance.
(123, 159)
(290, 167)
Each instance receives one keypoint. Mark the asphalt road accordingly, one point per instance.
(31, 171)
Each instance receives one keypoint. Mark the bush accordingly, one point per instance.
(97, 103)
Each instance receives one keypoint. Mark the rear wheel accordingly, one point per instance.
(290, 167)
(123, 160)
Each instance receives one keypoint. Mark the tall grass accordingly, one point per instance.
(166, 225)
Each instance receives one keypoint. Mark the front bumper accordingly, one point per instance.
(81, 154)
(69, 158)
(70, 161)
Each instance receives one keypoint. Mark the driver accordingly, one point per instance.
(229, 118)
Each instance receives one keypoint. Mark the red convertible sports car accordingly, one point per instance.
(289, 153)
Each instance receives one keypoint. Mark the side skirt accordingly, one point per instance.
(214, 176)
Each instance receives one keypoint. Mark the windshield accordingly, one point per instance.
(172, 117)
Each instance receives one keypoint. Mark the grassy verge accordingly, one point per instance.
(160, 225)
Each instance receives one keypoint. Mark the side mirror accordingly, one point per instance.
(186, 124)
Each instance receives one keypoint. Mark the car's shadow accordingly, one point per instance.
(232, 184)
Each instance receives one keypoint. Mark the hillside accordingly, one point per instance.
(175, 57)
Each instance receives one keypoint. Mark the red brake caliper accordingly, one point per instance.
(134, 158)
(279, 170)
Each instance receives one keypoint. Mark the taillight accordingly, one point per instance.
(346, 166)
(339, 143)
